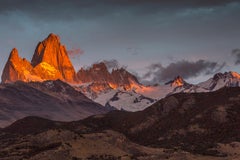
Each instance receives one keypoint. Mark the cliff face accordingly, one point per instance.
(50, 54)
(50, 62)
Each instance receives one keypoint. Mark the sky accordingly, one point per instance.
(154, 39)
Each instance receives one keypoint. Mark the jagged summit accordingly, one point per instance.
(99, 75)
(16, 68)
(49, 62)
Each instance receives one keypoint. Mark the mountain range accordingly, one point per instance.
(116, 88)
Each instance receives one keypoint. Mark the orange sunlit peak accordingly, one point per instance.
(178, 81)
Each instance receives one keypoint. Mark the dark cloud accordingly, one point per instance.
(211, 3)
(111, 64)
(133, 51)
(184, 68)
(75, 9)
(21, 4)
(181, 28)
(75, 52)
(236, 54)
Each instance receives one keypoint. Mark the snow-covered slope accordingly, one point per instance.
(124, 100)
(137, 98)
(119, 98)
(160, 91)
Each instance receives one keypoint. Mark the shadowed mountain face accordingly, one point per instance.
(199, 123)
(54, 100)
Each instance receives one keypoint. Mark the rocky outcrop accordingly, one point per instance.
(50, 62)
(97, 73)
(122, 77)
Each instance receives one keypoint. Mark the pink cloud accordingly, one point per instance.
(75, 52)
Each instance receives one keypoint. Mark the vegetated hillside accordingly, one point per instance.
(35, 138)
(191, 121)
(180, 126)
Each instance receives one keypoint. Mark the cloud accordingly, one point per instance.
(187, 69)
(75, 52)
(111, 64)
(133, 51)
(236, 53)
(75, 9)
